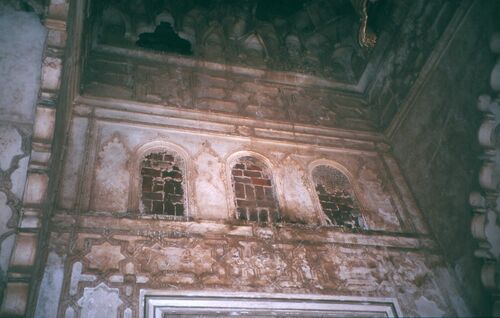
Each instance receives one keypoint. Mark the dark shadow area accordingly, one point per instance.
(164, 39)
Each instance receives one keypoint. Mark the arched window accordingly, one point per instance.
(162, 184)
(253, 191)
(336, 197)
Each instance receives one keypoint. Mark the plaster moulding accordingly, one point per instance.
(156, 303)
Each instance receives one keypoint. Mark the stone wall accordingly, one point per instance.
(19, 85)
(436, 144)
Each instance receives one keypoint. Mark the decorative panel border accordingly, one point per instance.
(158, 304)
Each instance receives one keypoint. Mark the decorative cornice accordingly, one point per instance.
(99, 221)
(139, 113)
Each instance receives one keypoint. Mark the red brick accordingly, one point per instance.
(175, 198)
(179, 209)
(249, 191)
(169, 187)
(239, 190)
(275, 216)
(263, 216)
(147, 205)
(245, 203)
(254, 215)
(242, 180)
(150, 172)
(157, 187)
(259, 193)
(157, 207)
(147, 183)
(239, 166)
(168, 158)
(254, 174)
(254, 167)
(266, 204)
(269, 193)
(237, 173)
(169, 208)
(172, 174)
(242, 214)
(262, 182)
(152, 196)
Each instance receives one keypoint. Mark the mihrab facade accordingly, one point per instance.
(220, 158)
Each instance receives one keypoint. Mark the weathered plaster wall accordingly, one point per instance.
(112, 259)
(437, 149)
(110, 252)
(22, 41)
(221, 88)
(101, 172)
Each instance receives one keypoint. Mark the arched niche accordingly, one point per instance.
(253, 189)
(159, 183)
(336, 196)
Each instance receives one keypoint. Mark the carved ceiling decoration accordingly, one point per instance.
(316, 37)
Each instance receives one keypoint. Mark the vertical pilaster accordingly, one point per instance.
(20, 278)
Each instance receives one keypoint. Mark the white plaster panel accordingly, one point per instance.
(210, 189)
(36, 188)
(18, 177)
(297, 197)
(70, 313)
(56, 38)
(381, 214)
(25, 250)
(74, 157)
(51, 73)
(10, 145)
(19, 73)
(100, 302)
(45, 120)
(15, 299)
(6, 251)
(127, 313)
(112, 178)
(428, 308)
(50, 288)
(5, 213)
